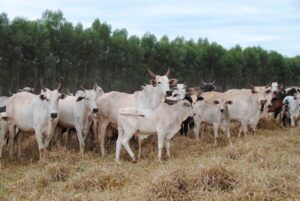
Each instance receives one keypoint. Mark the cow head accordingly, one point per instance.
(264, 95)
(178, 92)
(222, 104)
(208, 86)
(162, 82)
(90, 97)
(51, 98)
(186, 107)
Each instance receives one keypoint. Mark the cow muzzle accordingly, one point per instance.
(169, 93)
(53, 115)
(222, 110)
(95, 110)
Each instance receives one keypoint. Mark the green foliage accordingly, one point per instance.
(52, 47)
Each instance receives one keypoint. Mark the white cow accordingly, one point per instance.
(291, 108)
(213, 110)
(34, 113)
(178, 93)
(164, 121)
(249, 105)
(77, 112)
(109, 103)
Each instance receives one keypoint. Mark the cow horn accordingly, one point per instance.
(268, 85)
(213, 83)
(60, 84)
(11, 93)
(251, 86)
(280, 86)
(42, 85)
(168, 72)
(20, 90)
(203, 83)
(95, 86)
(152, 75)
(69, 93)
(82, 88)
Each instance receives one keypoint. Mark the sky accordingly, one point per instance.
(271, 24)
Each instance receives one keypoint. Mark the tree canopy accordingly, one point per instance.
(51, 47)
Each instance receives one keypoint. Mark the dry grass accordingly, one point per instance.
(265, 166)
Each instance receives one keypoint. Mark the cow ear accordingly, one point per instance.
(253, 91)
(188, 98)
(216, 102)
(153, 82)
(200, 98)
(5, 118)
(62, 96)
(229, 102)
(173, 82)
(79, 99)
(298, 90)
(268, 91)
(43, 97)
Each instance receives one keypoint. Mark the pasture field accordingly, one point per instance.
(265, 166)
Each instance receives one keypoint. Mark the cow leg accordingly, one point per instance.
(292, 121)
(141, 144)
(101, 135)
(119, 144)
(12, 135)
(227, 130)
(19, 140)
(95, 131)
(240, 130)
(47, 140)
(245, 128)
(160, 145)
(39, 140)
(2, 139)
(186, 128)
(80, 139)
(253, 126)
(58, 135)
(216, 128)
(197, 130)
(168, 145)
(125, 143)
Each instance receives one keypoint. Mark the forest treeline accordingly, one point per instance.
(51, 47)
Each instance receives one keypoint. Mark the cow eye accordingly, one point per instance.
(268, 91)
(159, 82)
(87, 99)
(175, 95)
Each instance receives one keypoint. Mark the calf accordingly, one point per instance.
(164, 121)
(212, 110)
(189, 122)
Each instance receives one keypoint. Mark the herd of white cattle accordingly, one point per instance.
(159, 109)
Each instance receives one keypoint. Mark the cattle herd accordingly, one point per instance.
(163, 108)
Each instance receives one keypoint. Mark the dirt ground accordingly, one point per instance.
(264, 166)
